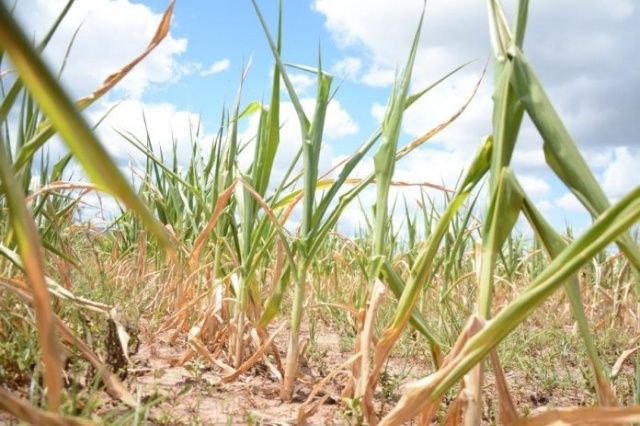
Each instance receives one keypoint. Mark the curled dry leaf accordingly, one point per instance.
(61, 186)
(583, 416)
(362, 389)
(113, 79)
(26, 412)
(198, 245)
(114, 387)
(254, 358)
(309, 407)
(621, 360)
(507, 409)
(123, 336)
(416, 398)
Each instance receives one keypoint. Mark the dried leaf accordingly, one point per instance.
(583, 416)
(507, 409)
(113, 79)
(412, 401)
(308, 408)
(123, 336)
(254, 358)
(363, 390)
(221, 204)
(29, 413)
(621, 359)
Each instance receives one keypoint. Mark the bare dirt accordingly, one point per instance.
(191, 393)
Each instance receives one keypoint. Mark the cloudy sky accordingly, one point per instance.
(587, 55)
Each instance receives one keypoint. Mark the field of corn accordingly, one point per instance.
(201, 301)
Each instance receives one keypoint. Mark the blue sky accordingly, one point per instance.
(218, 31)
(588, 62)
(231, 33)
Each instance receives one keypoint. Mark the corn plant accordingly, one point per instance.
(517, 91)
(232, 257)
(63, 116)
(257, 177)
(318, 220)
(384, 162)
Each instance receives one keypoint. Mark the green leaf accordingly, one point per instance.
(70, 124)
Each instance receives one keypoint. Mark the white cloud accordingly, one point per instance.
(569, 203)
(347, 68)
(621, 174)
(189, 68)
(217, 67)
(441, 103)
(598, 157)
(544, 206)
(593, 95)
(112, 34)
(529, 160)
(589, 76)
(377, 111)
(352, 23)
(379, 77)
(431, 165)
(338, 123)
(534, 187)
(301, 82)
(164, 122)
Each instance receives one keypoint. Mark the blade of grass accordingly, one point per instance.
(609, 226)
(560, 150)
(47, 129)
(31, 252)
(69, 123)
(422, 270)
